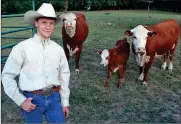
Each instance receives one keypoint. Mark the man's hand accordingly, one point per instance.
(27, 105)
(66, 111)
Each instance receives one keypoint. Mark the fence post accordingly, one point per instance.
(33, 29)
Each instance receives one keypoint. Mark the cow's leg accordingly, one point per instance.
(146, 70)
(77, 58)
(141, 73)
(66, 51)
(172, 52)
(165, 61)
(108, 78)
(120, 76)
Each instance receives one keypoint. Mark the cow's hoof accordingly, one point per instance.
(170, 70)
(164, 66)
(77, 71)
(141, 77)
(119, 86)
(170, 67)
(144, 83)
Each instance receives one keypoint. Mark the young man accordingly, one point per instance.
(43, 71)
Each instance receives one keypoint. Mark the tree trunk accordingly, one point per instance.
(65, 5)
(148, 7)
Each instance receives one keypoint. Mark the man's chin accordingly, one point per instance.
(47, 36)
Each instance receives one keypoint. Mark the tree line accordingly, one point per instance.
(21, 6)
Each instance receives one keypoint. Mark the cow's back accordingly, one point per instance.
(125, 50)
(120, 53)
(168, 33)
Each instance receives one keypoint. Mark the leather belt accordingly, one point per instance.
(46, 92)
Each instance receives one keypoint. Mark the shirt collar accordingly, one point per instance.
(40, 40)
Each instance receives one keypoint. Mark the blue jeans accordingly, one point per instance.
(49, 106)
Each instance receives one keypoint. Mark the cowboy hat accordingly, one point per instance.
(46, 10)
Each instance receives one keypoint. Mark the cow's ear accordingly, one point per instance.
(99, 52)
(152, 33)
(128, 32)
(63, 19)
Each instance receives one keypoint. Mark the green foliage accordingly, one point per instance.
(77, 5)
(15, 6)
(21, 6)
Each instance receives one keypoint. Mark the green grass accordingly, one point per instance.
(90, 102)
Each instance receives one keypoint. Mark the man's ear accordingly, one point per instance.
(128, 32)
(152, 33)
(99, 52)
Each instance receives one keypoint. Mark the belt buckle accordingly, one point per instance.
(47, 92)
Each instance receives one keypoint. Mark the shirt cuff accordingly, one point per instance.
(19, 99)
(65, 102)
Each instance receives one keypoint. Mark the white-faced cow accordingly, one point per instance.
(116, 59)
(148, 41)
(74, 33)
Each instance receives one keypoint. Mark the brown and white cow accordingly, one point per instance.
(148, 41)
(116, 59)
(74, 33)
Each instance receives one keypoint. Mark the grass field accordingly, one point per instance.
(159, 102)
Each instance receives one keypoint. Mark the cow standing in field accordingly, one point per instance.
(74, 33)
(148, 41)
(116, 59)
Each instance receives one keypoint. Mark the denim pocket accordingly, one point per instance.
(56, 96)
(36, 97)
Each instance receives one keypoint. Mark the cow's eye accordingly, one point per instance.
(134, 37)
(63, 19)
(141, 53)
(107, 58)
(75, 19)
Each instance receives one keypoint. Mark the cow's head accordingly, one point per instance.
(104, 56)
(139, 35)
(69, 22)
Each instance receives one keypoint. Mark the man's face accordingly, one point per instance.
(45, 26)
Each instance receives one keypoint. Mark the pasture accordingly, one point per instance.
(90, 102)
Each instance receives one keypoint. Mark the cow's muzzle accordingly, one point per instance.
(103, 64)
(69, 29)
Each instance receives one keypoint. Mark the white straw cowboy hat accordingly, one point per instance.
(46, 10)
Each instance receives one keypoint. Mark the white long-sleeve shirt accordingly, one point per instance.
(39, 64)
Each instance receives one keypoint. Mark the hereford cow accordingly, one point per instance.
(148, 41)
(116, 59)
(74, 33)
